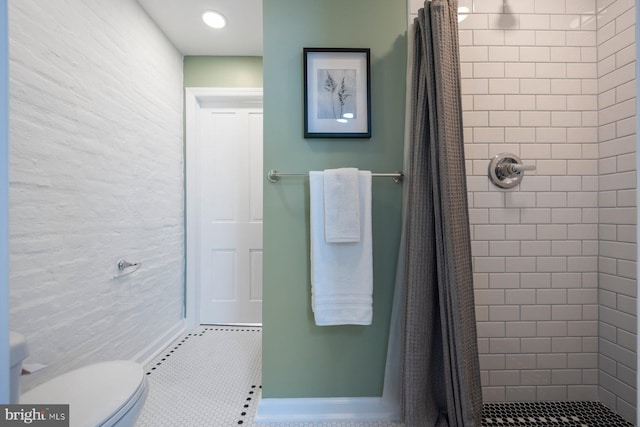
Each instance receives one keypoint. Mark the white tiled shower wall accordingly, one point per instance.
(95, 176)
(617, 202)
(553, 81)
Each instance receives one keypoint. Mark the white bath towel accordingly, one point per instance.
(341, 205)
(341, 273)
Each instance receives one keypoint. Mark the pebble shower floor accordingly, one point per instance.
(211, 377)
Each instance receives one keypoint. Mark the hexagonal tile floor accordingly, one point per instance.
(548, 414)
(211, 376)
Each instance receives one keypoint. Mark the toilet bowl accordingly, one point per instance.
(103, 394)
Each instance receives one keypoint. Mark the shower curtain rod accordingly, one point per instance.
(274, 176)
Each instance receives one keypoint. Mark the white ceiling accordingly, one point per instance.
(181, 21)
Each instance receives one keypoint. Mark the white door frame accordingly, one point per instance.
(195, 99)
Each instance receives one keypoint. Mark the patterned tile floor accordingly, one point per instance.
(208, 377)
(211, 376)
(548, 414)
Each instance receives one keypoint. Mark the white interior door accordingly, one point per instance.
(230, 215)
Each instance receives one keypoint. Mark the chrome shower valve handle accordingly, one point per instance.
(506, 170)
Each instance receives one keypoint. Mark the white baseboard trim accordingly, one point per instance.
(153, 349)
(285, 410)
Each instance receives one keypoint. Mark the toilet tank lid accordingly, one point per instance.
(17, 348)
(94, 393)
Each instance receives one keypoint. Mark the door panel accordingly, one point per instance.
(230, 165)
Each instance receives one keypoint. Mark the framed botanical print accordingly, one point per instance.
(337, 93)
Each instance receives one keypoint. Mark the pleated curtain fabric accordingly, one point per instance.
(440, 375)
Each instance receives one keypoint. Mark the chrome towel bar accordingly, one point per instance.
(274, 176)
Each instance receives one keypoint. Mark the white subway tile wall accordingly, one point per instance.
(553, 81)
(617, 201)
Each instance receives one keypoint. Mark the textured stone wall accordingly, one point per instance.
(96, 175)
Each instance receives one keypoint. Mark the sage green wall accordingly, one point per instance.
(222, 71)
(299, 358)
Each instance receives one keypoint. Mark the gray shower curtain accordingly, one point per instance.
(440, 376)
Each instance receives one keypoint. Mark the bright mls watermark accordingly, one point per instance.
(34, 415)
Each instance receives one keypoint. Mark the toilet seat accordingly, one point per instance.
(99, 394)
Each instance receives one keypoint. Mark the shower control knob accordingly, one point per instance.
(506, 170)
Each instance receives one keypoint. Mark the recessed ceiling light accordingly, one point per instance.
(214, 19)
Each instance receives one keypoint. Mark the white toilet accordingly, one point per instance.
(103, 394)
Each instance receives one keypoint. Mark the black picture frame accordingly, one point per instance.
(337, 92)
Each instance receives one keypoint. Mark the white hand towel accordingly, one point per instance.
(341, 273)
(341, 205)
